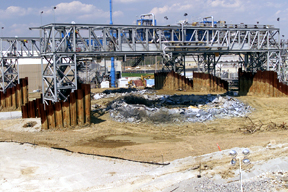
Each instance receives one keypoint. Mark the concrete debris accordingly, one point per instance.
(121, 92)
(176, 108)
(98, 96)
(10, 115)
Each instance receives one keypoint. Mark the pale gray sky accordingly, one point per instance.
(18, 15)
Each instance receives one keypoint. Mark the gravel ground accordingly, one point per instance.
(208, 185)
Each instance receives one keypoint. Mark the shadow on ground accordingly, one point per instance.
(95, 117)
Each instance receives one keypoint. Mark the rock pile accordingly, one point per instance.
(177, 108)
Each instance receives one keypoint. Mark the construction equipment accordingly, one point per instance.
(144, 77)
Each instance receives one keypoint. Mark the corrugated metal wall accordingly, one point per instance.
(201, 82)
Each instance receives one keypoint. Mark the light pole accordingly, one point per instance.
(244, 159)
(54, 8)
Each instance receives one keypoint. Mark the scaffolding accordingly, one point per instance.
(11, 50)
(64, 46)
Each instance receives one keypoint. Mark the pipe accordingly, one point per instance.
(182, 31)
(211, 18)
(111, 23)
(165, 47)
(153, 21)
(112, 70)
(149, 14)
(112, 73)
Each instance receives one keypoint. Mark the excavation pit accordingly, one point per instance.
(135, 108)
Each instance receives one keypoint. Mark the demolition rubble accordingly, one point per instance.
(144, 106)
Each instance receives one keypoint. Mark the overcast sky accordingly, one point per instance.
(18, 15)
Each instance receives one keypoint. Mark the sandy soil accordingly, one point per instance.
(26, 167)
(165, 142)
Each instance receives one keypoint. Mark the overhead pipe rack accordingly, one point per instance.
(61, 45)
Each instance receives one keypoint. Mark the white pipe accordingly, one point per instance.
(211, 18)
(153, 21)
(150, 14)
(182, 31)
(191, 46)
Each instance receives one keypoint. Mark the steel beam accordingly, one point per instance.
(12, 49)
(62, 45)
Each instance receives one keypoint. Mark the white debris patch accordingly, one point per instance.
(121, 92)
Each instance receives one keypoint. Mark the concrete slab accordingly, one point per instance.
(10, 115)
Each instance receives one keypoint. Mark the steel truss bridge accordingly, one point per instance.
(62, 46)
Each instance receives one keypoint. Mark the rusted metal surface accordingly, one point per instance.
(58, 115)
(8, 98)
(262, 83)
(172, 81)
(24, 84)
(51, 116)
(13, 97)
(73, 109)
(87, 102)
(24, 109)
(31, 109)
(19, 95)
(80, 107)
(66, 114)
(44, 119)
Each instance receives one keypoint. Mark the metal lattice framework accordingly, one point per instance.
(63, 46)
(116, 40)
(11, 50)
(59, 76)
